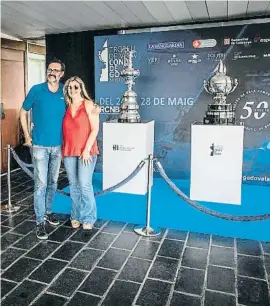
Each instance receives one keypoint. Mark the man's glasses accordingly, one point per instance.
(75, 87)
(53, 70)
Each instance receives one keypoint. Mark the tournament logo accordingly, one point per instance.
(215, 149)
(104, 58)
(252, 109)
(114, 60)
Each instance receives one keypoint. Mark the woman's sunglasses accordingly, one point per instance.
(75, 87)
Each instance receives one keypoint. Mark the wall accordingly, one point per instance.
(13, 89)
(12, 84)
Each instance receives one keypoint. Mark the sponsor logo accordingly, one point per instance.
(117, 147)
(258, 39)
(174, 60)
(226, 41)
(215, 57)
(153, 60)
(194, 59)
(240, 55)
(215, 149)
(114, 60)
(204, 43)
(236, 41)
(256, 178)
(266, 55)
(252, 109)
(166, 45)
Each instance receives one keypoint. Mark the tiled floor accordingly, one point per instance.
(111, 265)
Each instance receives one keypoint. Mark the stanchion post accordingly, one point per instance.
(9, 207)
(147, 230)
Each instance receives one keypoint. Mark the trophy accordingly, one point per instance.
(129, 107)
(220, 85)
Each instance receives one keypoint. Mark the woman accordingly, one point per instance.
(80, 150)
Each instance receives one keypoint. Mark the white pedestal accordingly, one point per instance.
(124, 146)
(216, 163)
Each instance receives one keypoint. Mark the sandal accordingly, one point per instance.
(75, 223)
(87, 226)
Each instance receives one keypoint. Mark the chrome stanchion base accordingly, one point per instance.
(147, 231)
(9, 208)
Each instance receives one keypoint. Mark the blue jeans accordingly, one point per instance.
(46, 161)
(83, 208)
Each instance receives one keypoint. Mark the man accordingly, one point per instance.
(48, 109)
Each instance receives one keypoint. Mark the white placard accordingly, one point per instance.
(124, 146)
(216, 163)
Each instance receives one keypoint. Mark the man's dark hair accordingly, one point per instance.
(56, 60)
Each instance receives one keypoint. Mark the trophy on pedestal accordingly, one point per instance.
(220, 85)
(129, 106)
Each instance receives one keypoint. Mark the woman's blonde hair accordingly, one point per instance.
(84, 93)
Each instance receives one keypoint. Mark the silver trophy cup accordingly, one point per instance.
(220, 86)
(129, 106)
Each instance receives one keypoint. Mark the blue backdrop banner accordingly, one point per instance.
(173, 66)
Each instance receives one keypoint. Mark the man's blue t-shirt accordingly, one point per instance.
(48, 110)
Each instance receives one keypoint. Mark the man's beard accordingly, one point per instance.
(54, 79)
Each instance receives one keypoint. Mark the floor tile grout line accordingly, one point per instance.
(206, 271)
(196, 248)
(59, 273)
(249, 255)
(103, 268)
(187, 293)
(149, 268)
(177, 270)
(181, 240)
(167, 257)
(48, 257)
(221, 292)
(56, 294)
(96, 263)
(254, 278)
(91, 294)
(160, 280)
(222, 246)
(236, 271)
(223, 267)
(8, 280)
(145, 259)
(127, 280)
(191, 268)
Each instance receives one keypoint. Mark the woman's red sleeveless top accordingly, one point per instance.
(76, 131)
